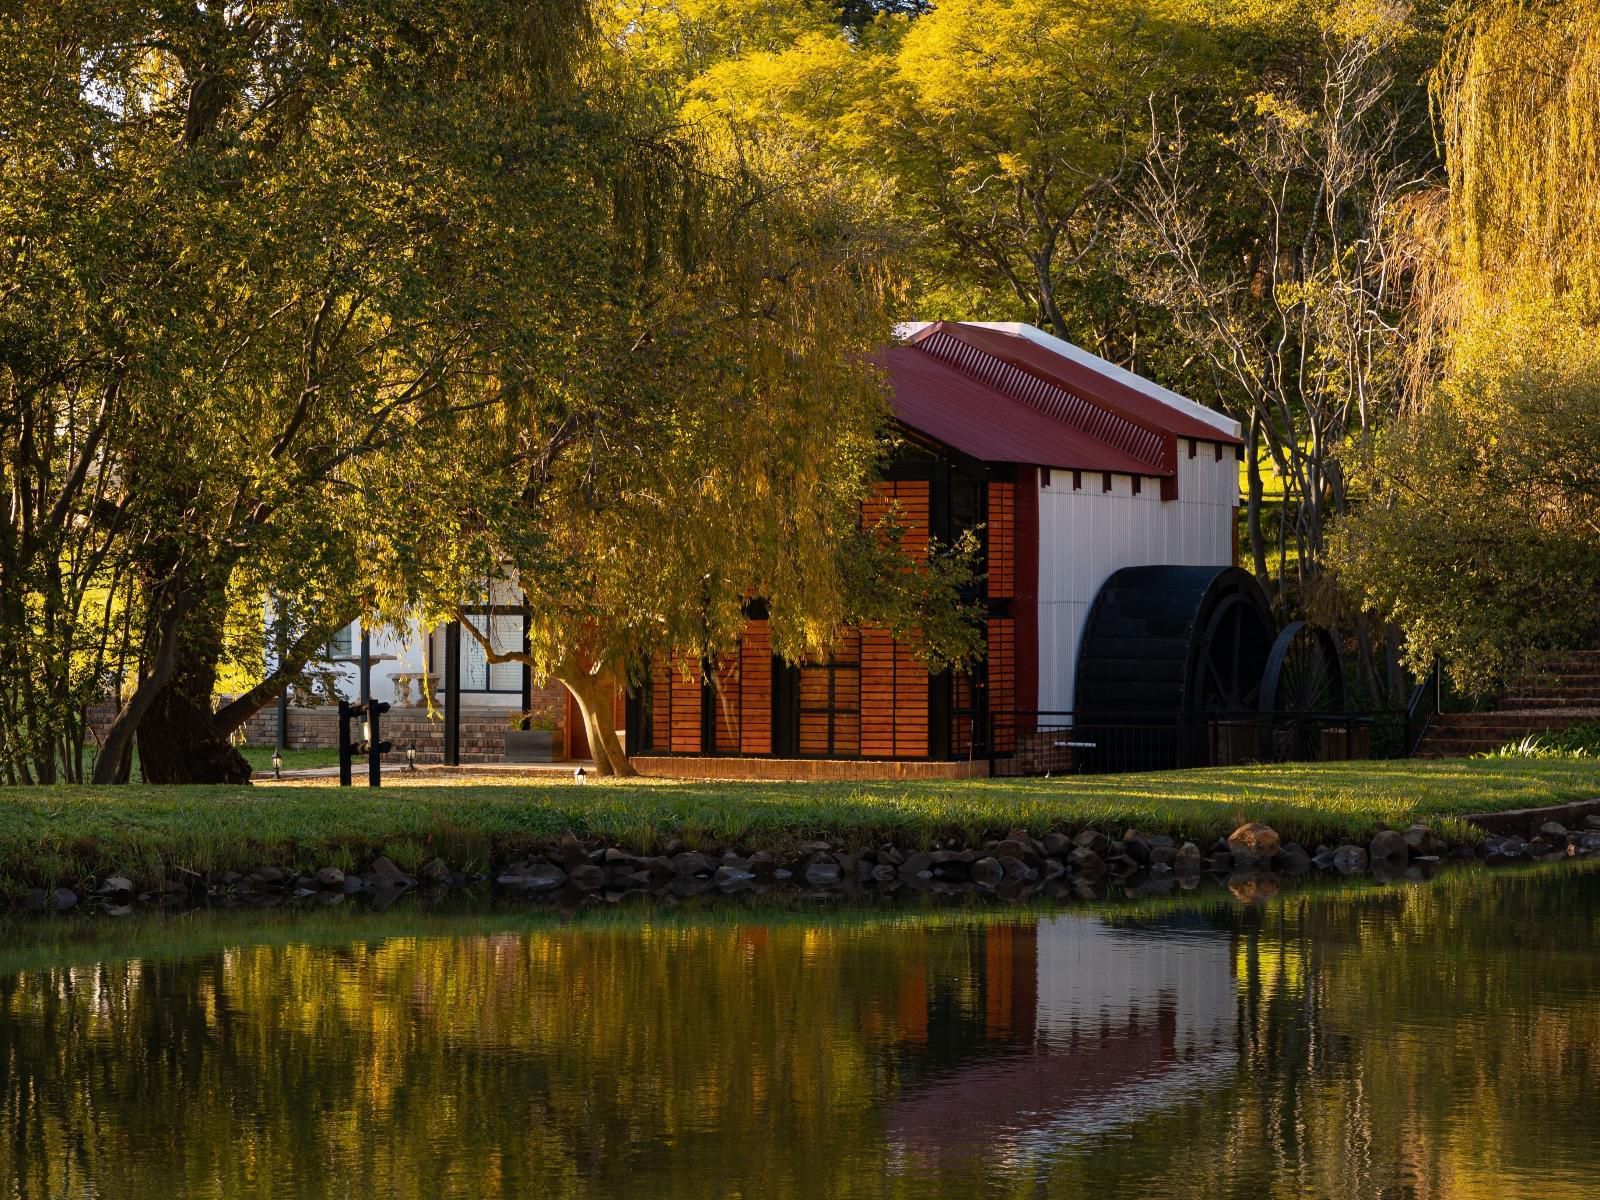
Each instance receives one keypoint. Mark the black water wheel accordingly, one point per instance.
(1230, 658)
(1174, 647)
(1302, 685)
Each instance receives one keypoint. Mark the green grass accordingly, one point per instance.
(68, 834)
(260, 759)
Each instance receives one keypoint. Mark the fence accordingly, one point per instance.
(1066, 743)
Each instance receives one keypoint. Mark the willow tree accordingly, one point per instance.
(1482, 539)
(711, 444)
(258, 258)
(1518, 91)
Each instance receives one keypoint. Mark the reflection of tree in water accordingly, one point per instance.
(1429, 1042)
(1405, 1043)
(463, 1065)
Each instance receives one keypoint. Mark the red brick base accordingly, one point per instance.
(707, 767)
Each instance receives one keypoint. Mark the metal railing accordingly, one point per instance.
(1419, 713)
(1067, 743)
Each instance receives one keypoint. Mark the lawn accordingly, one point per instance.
(260, 759)
(67, 834)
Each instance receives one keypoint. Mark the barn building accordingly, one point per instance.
(1076, 471)
(1106, 507)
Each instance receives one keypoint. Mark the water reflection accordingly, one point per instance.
(1428, 1042)
(1109, 1023)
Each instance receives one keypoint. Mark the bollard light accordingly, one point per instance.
(411, 758)
(580, 776)
(277, 763)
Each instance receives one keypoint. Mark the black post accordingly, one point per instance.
(452, 694)
(527, 674)
(376, 746)
(708, 710)
(366, 665)
(344, 743)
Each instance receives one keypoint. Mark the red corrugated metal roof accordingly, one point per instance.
(951, 406)
(1081, 380)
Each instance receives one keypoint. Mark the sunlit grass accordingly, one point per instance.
(61, 835)
(260, 758)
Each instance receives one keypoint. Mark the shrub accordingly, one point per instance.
(1576, 741)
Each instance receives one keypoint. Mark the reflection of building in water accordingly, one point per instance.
(1086, 1027)
(1093, 976)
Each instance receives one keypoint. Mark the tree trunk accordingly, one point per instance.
(179, 741)
(116, 751)
(595, 697)
(291, 661)
(1258, 543)
(1369, 671)
(1392, 672)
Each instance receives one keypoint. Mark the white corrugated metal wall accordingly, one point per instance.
(1086, 534)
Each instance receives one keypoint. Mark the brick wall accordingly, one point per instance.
(309, 728)
(100, 717)
(713, 767)
(483, 731)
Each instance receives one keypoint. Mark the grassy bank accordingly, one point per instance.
(28, 942)
(260, 759)
(66, 835)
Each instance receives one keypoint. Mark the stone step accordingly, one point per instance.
(1563, 691)
(1457, 735)
(1482, 741)
(1576, 673)
(1566, 682)
(1555, 689)
(1510, 718)
(1535, 703)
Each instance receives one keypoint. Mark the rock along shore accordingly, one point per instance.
(1092, 863)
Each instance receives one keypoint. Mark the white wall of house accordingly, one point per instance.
(416, 651)
(409, 651)
(1086, 534)
(393, 652)
(485, 684)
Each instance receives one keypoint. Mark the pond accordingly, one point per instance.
(1413, 1041)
